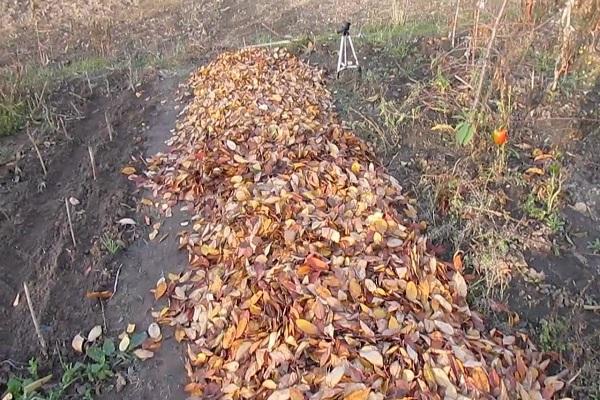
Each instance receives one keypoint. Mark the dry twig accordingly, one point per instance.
(92, 161)
(487, 55)
(36, 325)
(70, 222)
(37, 150)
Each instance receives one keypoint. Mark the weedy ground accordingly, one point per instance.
(523, 217)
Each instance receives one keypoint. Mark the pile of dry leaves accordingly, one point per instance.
(304, 280)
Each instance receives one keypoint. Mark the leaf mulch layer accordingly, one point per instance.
(306, 278)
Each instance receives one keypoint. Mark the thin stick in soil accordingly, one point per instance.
(70, 223)
(36, 325)
(37, 150)
(92, 161)
(108, 126)
(487, 55)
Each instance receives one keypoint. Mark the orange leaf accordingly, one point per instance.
(316, 263)
(361, 394)
(457, 260)
(307, 327)
(242, 324)
(128, 170)
(228, 337)
(103, 295)
(161, 288)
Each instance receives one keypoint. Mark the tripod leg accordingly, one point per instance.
(339, 65)
(353, 52)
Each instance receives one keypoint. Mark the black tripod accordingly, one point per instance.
(345, 42)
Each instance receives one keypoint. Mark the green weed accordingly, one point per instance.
(99, 366)
(553, 334)
(12, 115)
(594, 246)
(111, 245)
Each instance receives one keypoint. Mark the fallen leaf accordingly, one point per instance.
(74, 201)
(130, 328)
(372, 355)
(103, 295)
(307, 327)
(124, 343)
(143, 354)
(77, 343)
(94, 333)
(154, 331)
(126, 221)
(534, 171)
(411, 291)
(361, 394)
(161, 288)
(335, 376)
(128, 170)
(17, 298)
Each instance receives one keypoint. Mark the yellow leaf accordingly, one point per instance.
(355, 167)
(443, 128)
(355, 289)
(124, 343)
(534, 171)
(269, 384)
(307, 327)
(393, 324)
(128, 170)
(411, 291)
(361, 394)
(130, 328)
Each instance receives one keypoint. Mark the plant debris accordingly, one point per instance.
(307, 277)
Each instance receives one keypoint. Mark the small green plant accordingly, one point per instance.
(99, 366)
(594, 246)
(465, 130)
(12, 116)
(553, 335)
(110, 245)
(441, 82)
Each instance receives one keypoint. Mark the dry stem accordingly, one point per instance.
(487, 55)
(36, 325)
(92, 161)
(37, 150)
(70, 222)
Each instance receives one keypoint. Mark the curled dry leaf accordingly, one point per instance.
(130, 328)
(74, 201)
(94, 333)
(124, 343)
(161, 288)
(126, 221)
(154, 331)
(128, 170)
(143, 354)
(102, 295)
(77, 343)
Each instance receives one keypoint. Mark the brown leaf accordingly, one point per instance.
(103, 295)
(128, 170)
